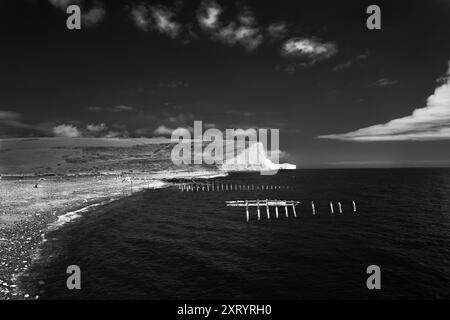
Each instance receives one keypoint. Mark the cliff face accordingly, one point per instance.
(254, 158)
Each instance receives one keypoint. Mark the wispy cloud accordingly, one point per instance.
(384, 82)
(118, 108)
(123, 108)
(277, 30)
(156, 18)
(94, 15)
(350, 63)
(140, 15)
(244, 30)
(429, 123)
(308, 51)
(164, 23)
(13, 125)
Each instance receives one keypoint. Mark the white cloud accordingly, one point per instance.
(122, 108)
(384, 82)
(429, 123)
(307, 52)
(163, 131)
(96, 127)
(208, 15)
(247, 36)
(159, 18)
(66, 130)
(243, 31)
(308, 47)
(182, 131)
(163, 21)
(141, 16)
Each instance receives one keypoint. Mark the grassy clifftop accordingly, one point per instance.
(62, 156)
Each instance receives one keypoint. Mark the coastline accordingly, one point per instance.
(28, 213)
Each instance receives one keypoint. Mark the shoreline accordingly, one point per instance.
(26, 218)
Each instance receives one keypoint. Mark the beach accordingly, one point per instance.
(31, 206)
(47, 182)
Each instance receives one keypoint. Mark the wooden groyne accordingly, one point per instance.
(286, 204)
(210, 187)
(265, 204)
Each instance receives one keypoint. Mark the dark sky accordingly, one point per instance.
(310, 68)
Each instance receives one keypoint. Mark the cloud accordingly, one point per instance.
(244, 30)
(247, 36)
(94, 16)
(163, 131)
(140, 15)
(277, 30)
(181, 118)
(118, 108)
(9, 115)
(66, 130)
(208, 15)
(122, 108)
(96, 127)
(163, 21)
(429, 123)
(384, 82)
(183, 131)
(308, 51)
(310, 48)
(350, 63)
(157, 18)
(12, 125)
(115, 134)
(95, 108)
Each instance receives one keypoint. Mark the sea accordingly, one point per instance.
(172, 244)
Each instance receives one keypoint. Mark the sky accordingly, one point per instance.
(340, 94)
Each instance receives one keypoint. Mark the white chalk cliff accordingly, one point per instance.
(254, 158)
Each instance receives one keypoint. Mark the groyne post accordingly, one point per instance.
(259, 212)
(246, 211)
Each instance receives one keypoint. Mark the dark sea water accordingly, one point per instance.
(167, 244)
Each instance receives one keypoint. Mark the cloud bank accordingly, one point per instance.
(428, 123)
